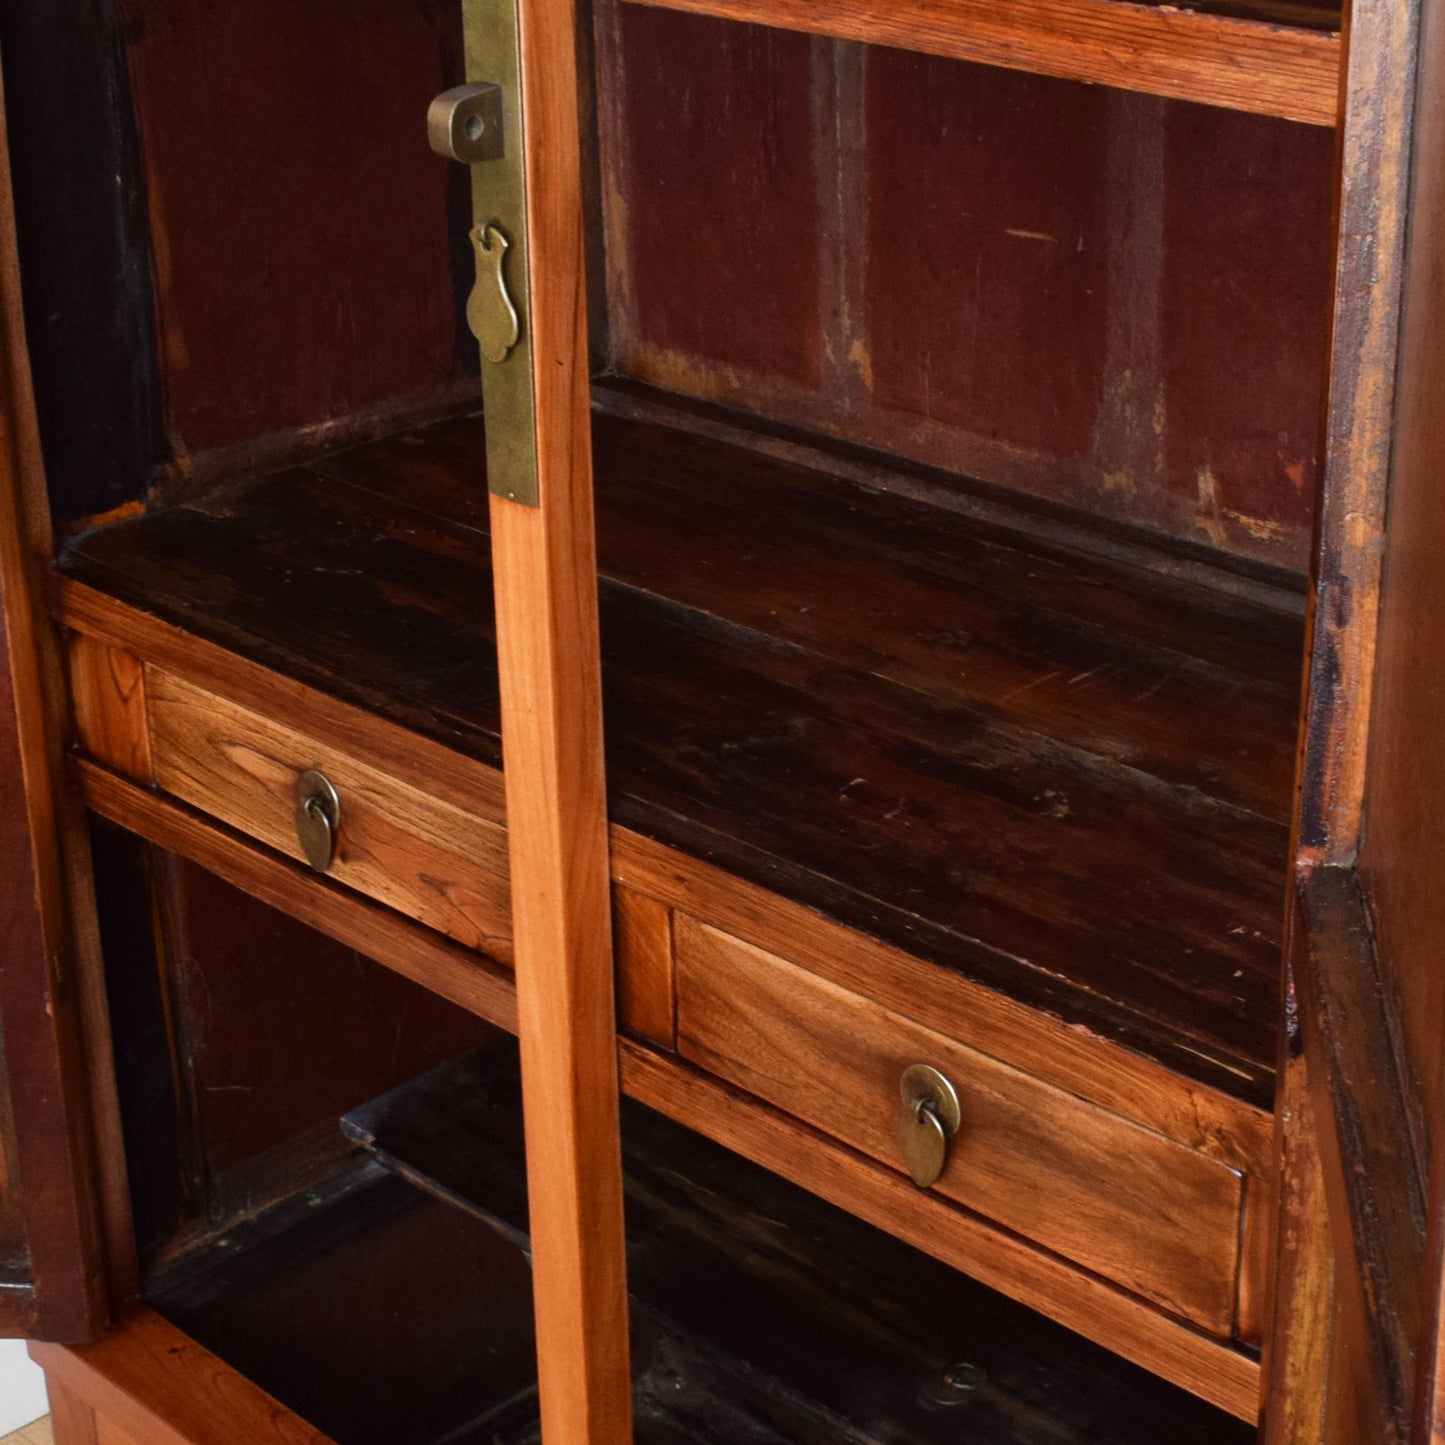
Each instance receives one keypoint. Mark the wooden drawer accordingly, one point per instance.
(415, 852)
(1095, 1188)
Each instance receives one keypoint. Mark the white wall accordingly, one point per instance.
(22, 1387)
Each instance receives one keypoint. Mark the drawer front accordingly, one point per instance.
(415, 852)
(1126, 1203)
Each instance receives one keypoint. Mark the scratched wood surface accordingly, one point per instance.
(1064, 777)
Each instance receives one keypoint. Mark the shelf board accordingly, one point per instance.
(1066, 777)
(1271, 59)
(745, 1283)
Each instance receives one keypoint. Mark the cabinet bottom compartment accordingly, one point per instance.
(401, 1310)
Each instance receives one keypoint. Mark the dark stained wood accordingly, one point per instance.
(722, 1250)
(1406, 778)
(64, 1157)
(913, 734)
(85, 253)
(1371, 225)
(1372, 1186)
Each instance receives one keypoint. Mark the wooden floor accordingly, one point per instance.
(1010, 750)
(38, 1432)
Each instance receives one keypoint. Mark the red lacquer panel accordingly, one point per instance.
(986, 270)
(301, 227)
(715, 148)
(1244, 318)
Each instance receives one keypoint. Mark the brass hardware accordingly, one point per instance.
(465, 123)
(490, 312)
(480, 124)
(928, 1119)
(318, 816)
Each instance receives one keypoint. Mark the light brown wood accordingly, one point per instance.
(151, 1383)
(1069, 1058)
(404, 847)
(646, 991)
(416, 760)
(1121, 1321)
(73, 1422)
(469, 980)
(1213, 59)
(1258, 1229)
(1127, 1204)
(1297, 1350)
(549, 664)
(108, 703)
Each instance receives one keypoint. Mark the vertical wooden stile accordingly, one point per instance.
(544, 561)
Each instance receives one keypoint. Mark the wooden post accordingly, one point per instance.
(544, 559)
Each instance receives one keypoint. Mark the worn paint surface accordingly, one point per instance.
(302, 232)
(1112, 300)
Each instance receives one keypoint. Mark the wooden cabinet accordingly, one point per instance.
(957, 433)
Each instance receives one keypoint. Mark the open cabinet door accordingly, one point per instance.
(1362, 1116)
(53, 1263)
(529, 312)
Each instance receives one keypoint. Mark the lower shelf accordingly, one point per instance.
(761, 1315)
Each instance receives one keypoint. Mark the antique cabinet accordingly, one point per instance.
(957, 601)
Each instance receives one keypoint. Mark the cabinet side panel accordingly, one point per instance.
(1405, 781)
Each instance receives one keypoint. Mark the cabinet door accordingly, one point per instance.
(529, 311)
(1362, 1115)
(52, 1263)
(47, 1253)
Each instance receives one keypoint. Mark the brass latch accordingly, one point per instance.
(927, 1121)
(480, 125)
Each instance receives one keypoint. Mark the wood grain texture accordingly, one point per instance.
(150, 1382)
(1405, 786)
(646, 986)
(1126, 1204)
(1186, 54)
(1372, 1185)
(1027, 712)
(1068, 1058)
(1296, 1363)
(885, 1198)
(549, 670)
(464, 978)
(334, 721)
(1374, 169)
(410, 849)
(108, 703)
(1090, 1066)
(72, 1421)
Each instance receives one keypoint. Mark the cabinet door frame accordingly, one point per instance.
(63, 1167)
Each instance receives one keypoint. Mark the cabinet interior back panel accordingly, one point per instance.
(1101, 298)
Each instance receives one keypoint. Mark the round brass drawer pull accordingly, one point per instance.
(318, 816)
(927, 1121)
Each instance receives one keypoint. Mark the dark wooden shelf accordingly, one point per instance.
(1279, 59)
(1065, 775)
(748, 1289)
